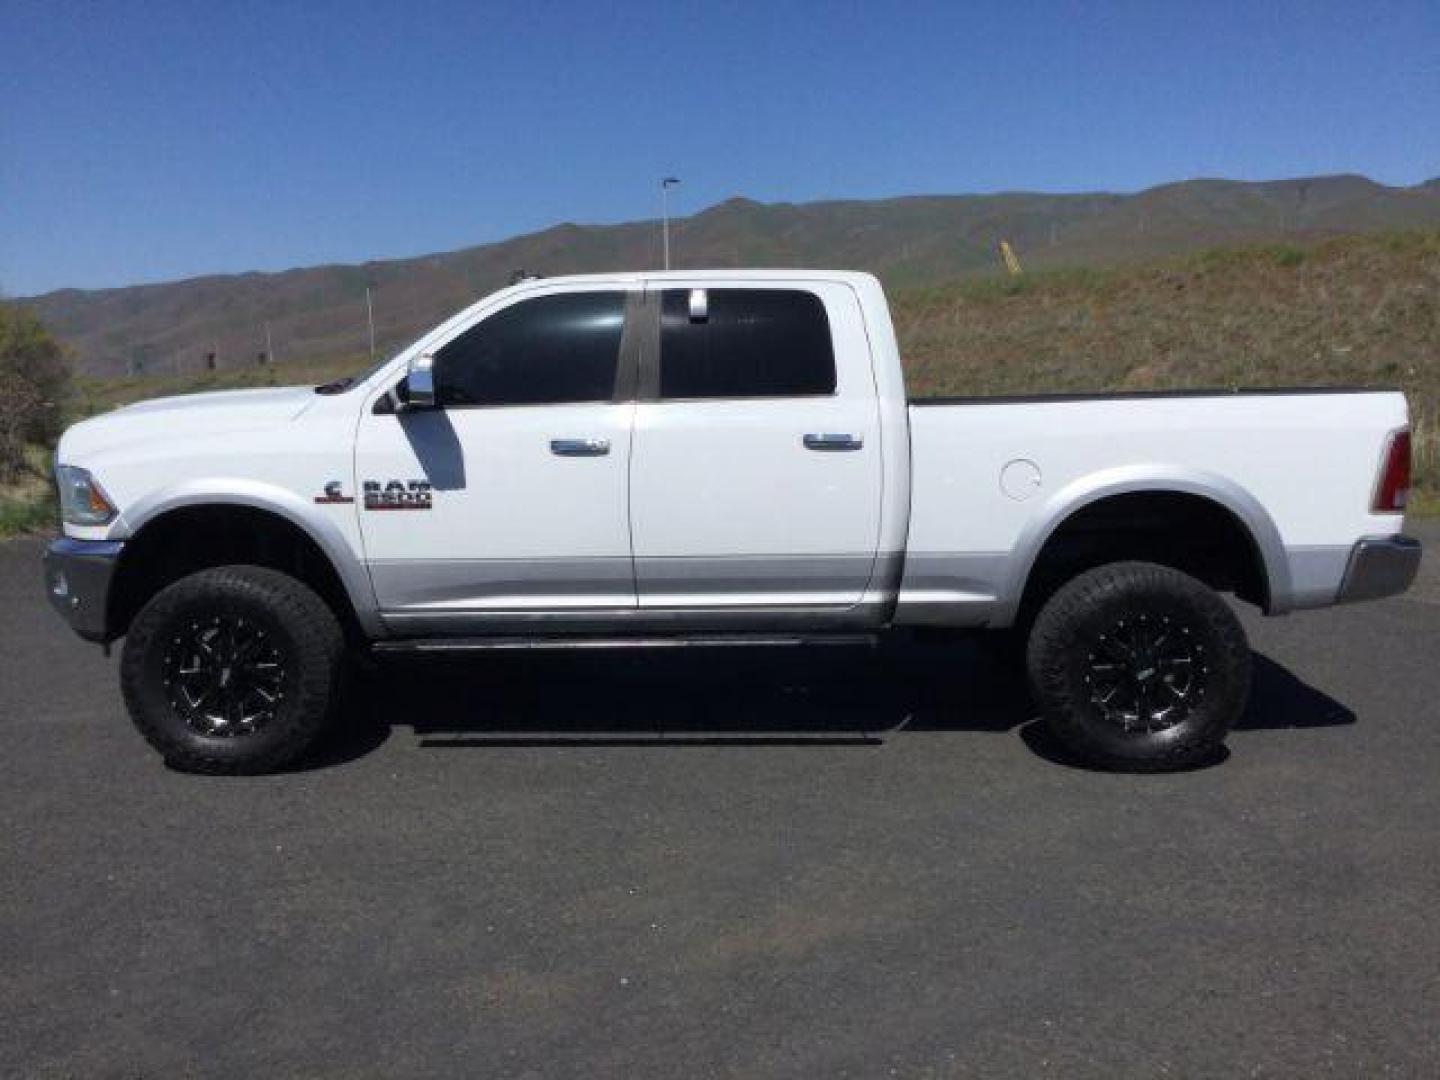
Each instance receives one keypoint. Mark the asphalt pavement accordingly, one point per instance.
(728, 863)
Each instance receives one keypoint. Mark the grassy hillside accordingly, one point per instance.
(1359, 309)
(1356, 310)
(1353, 310)
(319, 313)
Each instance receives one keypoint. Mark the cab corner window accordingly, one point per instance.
(746, 343)
(552, 349)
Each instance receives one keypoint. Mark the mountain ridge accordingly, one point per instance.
(319, 311)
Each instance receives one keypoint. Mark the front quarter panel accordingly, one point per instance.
(291, 469)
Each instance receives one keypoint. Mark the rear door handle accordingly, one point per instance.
(832, 441)
(580, 447)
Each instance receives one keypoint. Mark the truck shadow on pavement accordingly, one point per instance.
(833, 696)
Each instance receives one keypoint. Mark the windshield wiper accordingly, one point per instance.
(339, 386)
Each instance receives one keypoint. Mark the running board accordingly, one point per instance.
(578, 641)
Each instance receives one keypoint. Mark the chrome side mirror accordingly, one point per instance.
(420, 382)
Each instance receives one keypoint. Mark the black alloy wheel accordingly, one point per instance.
(1146, 672)
(225, 676)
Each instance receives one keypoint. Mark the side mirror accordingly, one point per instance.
(420, 382)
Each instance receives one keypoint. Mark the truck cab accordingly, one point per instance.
(690, 450)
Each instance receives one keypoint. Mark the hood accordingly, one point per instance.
(270, 404)
(214, 413)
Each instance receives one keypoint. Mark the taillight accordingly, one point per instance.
(1393, 488)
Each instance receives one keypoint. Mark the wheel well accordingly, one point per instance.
(1190, 533)
(198, 537)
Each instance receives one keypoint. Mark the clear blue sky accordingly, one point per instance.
(149, 141)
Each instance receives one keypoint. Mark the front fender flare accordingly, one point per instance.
(258, 495)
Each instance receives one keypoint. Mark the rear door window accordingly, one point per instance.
(744, 343)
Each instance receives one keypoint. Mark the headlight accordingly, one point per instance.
(82, 500)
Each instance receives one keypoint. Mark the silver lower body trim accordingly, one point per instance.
(1315, 576)
(762, 581)
(951, 588)
(438, 585)
(801, 590)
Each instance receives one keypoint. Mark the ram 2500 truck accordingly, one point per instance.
(727, 456)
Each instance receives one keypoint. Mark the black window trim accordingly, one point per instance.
(637, 370)
(649, 359)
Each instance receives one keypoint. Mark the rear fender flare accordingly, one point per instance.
(1089, 489)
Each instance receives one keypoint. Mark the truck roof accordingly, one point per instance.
(851, 277)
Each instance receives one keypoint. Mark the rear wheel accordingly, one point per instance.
(232, 670)
(1137, 666)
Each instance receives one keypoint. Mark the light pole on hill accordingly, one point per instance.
(370, 321)
(665, 186)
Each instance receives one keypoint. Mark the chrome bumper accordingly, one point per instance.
(77, 581)
(1380, 566)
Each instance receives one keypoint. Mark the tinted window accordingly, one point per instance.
(552, 348)
(753, 343)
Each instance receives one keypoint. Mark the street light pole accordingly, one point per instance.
(665, 186)
(370, 320)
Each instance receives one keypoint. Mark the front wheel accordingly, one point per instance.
(1137, 666)
(232, 670)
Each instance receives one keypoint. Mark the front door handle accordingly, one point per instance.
(833, 442)
(580, 447)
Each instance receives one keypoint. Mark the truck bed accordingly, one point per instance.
(992, 477)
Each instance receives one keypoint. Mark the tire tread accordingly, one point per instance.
(1053, 639)
(317, 638)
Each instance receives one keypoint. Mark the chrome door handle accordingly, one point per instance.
(833, 442)
(580, 447)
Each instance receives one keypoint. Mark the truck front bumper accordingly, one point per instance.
(1380, 566)
(77, 581)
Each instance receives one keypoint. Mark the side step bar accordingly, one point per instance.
(393, 646)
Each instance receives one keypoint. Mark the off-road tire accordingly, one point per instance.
(297, 624)
(1075, 634)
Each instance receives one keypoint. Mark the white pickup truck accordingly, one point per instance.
(723, 456)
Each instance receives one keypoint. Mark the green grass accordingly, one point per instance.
(21, 516)
(28, 504)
